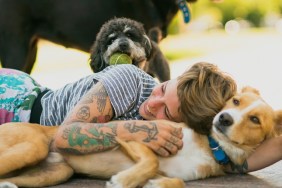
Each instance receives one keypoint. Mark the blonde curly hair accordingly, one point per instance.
(203, 91)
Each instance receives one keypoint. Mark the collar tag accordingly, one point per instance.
(218, 153)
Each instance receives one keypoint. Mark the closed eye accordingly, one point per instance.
(163, 88)
(166, 112)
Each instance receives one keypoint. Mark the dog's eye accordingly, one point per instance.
(111, 40)
(131, 34)
(255, 119)
(236, 102)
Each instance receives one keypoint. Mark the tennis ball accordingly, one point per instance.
(120, 58)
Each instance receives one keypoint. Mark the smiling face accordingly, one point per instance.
(163, 103)
(245, 120)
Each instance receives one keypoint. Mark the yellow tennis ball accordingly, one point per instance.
(120, 58)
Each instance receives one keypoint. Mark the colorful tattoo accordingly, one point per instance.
(152, 132)
(90, 138)
(101, 119)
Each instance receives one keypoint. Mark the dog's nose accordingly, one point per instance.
(123, 45)
(225, 119)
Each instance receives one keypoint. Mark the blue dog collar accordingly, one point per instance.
(218, 153)
(185, 10)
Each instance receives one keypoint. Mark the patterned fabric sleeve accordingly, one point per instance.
(18, 92)
(125, 85)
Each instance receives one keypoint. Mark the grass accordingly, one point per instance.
(173, 55)
(193, 45)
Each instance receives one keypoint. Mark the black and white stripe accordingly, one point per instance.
(127, 86)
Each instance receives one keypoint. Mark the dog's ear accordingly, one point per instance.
(250, 89)
(148, 46)
(157, 64)
(155, 34)
(96, 61)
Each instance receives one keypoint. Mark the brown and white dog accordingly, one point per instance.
(244, 123)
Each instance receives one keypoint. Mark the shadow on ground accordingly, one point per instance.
(266, 178)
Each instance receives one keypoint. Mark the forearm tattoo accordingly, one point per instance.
(242, 169)
(151, 131)
(90, 138)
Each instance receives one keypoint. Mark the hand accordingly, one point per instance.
(169, 138)
(162, 136)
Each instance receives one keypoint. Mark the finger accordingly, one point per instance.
(176, 141)
(162, 152)
(177, 131)
(172, 149)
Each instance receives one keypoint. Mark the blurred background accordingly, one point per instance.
(243, 37)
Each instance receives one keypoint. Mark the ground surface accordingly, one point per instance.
(266, 178)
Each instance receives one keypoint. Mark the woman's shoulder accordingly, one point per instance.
(125, 67)
(126, 70)
(124, 73)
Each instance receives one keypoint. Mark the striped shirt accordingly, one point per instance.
(127, 87)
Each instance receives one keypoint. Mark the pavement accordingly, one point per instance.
(252, 58)
(265, 178)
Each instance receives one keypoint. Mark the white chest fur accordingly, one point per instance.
(189, 162)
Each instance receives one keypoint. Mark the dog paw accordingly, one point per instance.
(165, 182)
(152, 184)
(113, 183)
(7, 185)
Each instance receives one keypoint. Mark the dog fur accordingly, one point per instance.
(73, 24)
(244, 123)
(128, 36)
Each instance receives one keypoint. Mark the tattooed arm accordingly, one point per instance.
(94, 107)
(268, 153)
(84, 138)
(88, 128)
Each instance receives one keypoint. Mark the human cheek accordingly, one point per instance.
(156, 91)
(161, 115)
(142, 112)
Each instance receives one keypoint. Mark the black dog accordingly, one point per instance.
(72, 23)
(127, 36)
